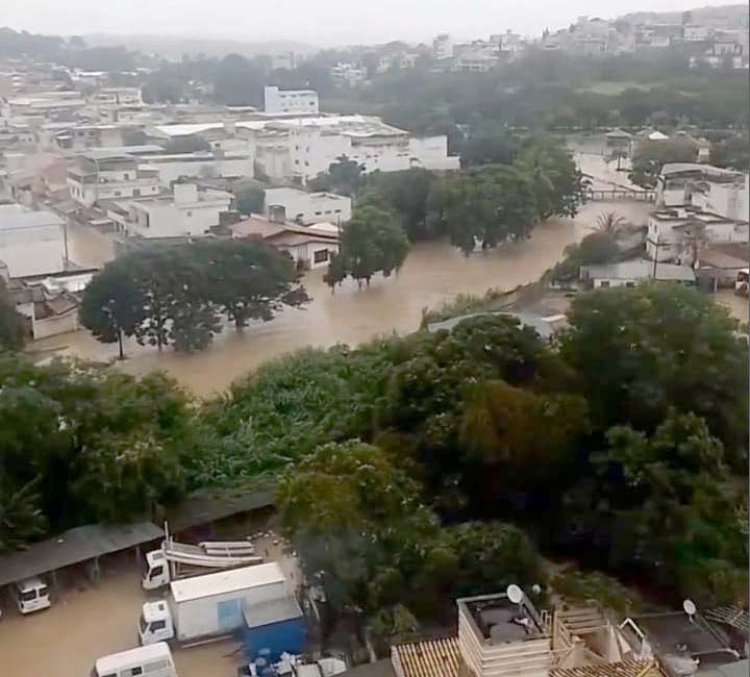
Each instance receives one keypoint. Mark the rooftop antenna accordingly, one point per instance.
(514, 593)
(688, 606)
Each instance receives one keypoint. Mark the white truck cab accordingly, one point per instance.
(155, 624)
(32, 595)
(148, 661)
(157, 570)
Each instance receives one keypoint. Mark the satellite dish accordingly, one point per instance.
(688, 607)
(515, 594)
(536, 589)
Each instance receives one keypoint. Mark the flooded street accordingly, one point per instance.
(434, 273)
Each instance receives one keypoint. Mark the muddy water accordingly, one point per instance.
(433, 273)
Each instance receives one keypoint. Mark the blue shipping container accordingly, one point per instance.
(288, 635)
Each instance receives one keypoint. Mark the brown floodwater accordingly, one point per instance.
(434, 273)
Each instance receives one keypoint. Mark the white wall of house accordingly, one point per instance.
(431, 152)
(672, 241)
(311, 255)
(198, 165)
(31, 243)
(726, 199)
(291, 101)
(188, 214)
(310, 207)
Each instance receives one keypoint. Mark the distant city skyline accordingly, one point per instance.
(324, 23)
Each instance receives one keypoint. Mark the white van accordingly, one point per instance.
(32, 595)
(154, 660)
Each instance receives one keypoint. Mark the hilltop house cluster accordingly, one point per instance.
(111, 166)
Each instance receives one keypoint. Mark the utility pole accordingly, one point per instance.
(656, 244)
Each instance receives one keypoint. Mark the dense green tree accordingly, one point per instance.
(650, 156)
(12, 324)
(345, 177)
(250, 199)
(175, 295)
(405, 193)
(249, 280)
(371, 242)
(357, 522)
(640, 351)
(732, 152)
(663, 504)
(557, 182)
(113, 305)
(80, 443)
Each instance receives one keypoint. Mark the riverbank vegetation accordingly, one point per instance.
(621, 447)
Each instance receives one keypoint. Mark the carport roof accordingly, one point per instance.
(73, 547)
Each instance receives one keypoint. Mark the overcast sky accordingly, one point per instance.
(319, 22)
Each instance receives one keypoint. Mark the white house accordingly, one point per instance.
(673, 233)
(201, 164)
(721, 191)
(308, 208)
(105, 175)
(301, 148)
(695, 33)
(630, 273)
(31, 242)
(309, 246)
(442, 47)
(188, 212)
(290, 101)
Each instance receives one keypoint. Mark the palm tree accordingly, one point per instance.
(611, 223)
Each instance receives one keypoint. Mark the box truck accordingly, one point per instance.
(208, 607)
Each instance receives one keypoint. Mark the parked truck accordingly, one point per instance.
(173, 561)
(148, 661)
(212, 606)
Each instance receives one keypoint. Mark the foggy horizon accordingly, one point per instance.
(327, 23)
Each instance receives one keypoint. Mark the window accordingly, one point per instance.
(604, 284)
(307, 164)
(630, 284)
(136, 192)
(43, 591)
(158, 625)
(127, 176)
(318, 213)
(27, 596)
(156, 571)
(296, 162)
(328, 211)
(337, 211)
(118, 193)
(320, 256)
(189, 213)
(136, 671)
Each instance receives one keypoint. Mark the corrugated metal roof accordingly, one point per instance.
(74, 546)
(431, 658)
(227, 581)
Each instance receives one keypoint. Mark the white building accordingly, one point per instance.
(712, 189)
(674, 234)
(630, 273)
(31, 242)
(309, 246)
(104, 175)
(303, 147)
(70, 136)
(122, 96)
(188, 212)
(308, 208)
(348, 75)
(694, 33)
(290, 101)
(201, 164)
(442, 47)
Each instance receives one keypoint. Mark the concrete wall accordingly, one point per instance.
(312, 207)
(172, 169)
(171, 220)
(33, 251)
